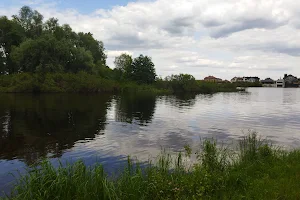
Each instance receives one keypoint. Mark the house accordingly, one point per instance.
(237, 79)
(251, 79)
(245, 79)
(280, 83)
(212, 79)
(268, 82)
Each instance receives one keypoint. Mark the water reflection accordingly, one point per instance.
(140, 108)
(37, 126)
(182, 100)
(107, 129)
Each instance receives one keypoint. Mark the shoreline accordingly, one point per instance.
(87, 83)
(257, 170)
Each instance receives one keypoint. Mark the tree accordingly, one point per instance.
(81, 60)
(11, 34)
(2, 63)
(123, 66)
(103, 71)
(51, 25)
(37, 24)
(87, 41)
(24, 18)
(29, 45)
(123, 62)
(31, 21)
(142, 70)
(45, 54)
(182, 82)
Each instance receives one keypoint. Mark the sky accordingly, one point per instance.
(200, 37)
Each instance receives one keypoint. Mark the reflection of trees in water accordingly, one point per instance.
(135, 107)
(34, 126)
(182, 100)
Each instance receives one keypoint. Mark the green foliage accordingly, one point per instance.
(2, 63)
(123, 66)
(70, 82)
(45, 54)
(30, 45)
(81, 60)
(96, 48)
(219, 174)
(183, 83)
(11, 35)
(142, 70)
(186, 83)
(247, 84)
(210, 87)
(31, 21)
(51, 25)
(123, 62)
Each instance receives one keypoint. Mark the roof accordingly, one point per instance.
(290, 76)
(268, 80)
(236, 77)
(248, 77)
(211, 77)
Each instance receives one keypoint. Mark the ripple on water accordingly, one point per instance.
(105, 129)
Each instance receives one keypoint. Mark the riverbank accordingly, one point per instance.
(83, 82)
(257, 170)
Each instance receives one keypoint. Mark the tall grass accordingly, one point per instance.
(195, 86)
(81, 82)
(88, 83)
(256, 171)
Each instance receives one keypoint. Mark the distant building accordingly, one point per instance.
(268, 82)
(251, 79)
(237, 79)
(280, 83)
(212, 79)
(245, 79)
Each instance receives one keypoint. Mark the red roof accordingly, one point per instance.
(211, 78)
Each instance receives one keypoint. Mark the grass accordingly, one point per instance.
(196, 86)
(81, 82)
(257, 170)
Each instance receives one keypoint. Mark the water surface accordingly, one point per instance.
(106, 128)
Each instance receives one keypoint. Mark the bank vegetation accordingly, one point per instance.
(255, 170)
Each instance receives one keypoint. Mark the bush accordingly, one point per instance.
(69, 82)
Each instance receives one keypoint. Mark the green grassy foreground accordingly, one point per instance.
(256, 171)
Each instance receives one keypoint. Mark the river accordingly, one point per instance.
(107, 128)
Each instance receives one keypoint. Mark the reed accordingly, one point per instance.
(257, 170)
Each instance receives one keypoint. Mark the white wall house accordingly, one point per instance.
(280, 83)
(251, 79)
(245, 79)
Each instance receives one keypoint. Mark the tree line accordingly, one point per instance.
(43, 56)
(30, 44)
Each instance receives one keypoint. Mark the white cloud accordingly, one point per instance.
(222, 38)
